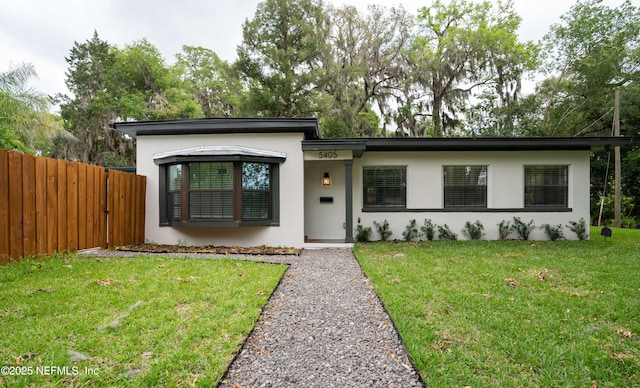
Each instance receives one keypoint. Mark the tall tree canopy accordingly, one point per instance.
(280, 58)
(110, 84)
(464, 45)
(594, 50)
(212, 82)
(364, 64)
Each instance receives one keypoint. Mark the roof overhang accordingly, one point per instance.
(356, 145)
(307, 126)
(467, 144)
(227, 153)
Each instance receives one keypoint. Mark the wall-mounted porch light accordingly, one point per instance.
(326, 180)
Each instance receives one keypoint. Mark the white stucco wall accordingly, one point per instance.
(505, 189)
(290, 233)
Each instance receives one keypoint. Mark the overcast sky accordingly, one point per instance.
(42, 32)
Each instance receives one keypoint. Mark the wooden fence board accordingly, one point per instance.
(130, 202)
(102, 220)
(63, 245)
(15, 205)
(4, 207)
(29, 245)
(72, 206)
(82, 205)
(122, 221)
(41, 205)
(121, 209)
(140, 208)
(110, 209)
(91, 206)
(52, 206)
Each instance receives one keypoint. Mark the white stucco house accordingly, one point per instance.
(252, 182)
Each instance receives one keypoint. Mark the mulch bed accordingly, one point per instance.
(209, 249)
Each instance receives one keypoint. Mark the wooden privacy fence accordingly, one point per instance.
(49, 205)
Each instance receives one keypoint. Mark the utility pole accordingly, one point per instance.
(616, 131)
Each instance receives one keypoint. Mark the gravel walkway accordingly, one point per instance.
(324, 326)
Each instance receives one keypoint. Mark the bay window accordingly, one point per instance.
(219, 190)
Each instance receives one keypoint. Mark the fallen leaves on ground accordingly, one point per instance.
(619, 356)
(210, 249)
(106, 282)
(512, 282)
(42, 290)
(543, 275)
(624, 332)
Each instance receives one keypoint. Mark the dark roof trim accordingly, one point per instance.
(308, 126)
(468, 144)
(356, 145)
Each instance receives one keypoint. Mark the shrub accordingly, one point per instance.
(523, 230)
(628, 222)
(363, 234)
(411, 231)
(554, 232)
(473, 231)
(428, 229)
(445, 233)
(383, 230)
(579, 228)
(504, 229)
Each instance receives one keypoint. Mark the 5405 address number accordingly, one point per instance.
(327, 154)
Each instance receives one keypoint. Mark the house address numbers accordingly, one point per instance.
(328, 155)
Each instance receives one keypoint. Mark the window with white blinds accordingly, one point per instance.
(465, 186)
(219, 191)
(256, 191)
(174, 196)
(385, 186)
(546, 186)
(211, 191)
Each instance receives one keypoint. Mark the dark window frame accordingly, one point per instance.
(546, 186)
(457, 193)
(238, 220)
(379, 196)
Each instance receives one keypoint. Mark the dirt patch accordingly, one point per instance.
(209, 249)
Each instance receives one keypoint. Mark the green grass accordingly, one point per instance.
(515, 313)
(177, 322)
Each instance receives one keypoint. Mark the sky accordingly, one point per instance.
(42, 32)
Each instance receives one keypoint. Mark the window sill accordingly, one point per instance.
(218, 224)
(471, 210)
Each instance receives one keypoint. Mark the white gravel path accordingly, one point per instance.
(324, 326)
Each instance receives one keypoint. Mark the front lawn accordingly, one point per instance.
(146, 321)
(515, 313)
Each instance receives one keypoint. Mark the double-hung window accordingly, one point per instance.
(465, 186)
(546, 186)
(385, 187)
(211, 191)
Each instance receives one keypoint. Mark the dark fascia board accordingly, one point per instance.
(356, 145)
(494, 144)
(308, 126)
(469, 144)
